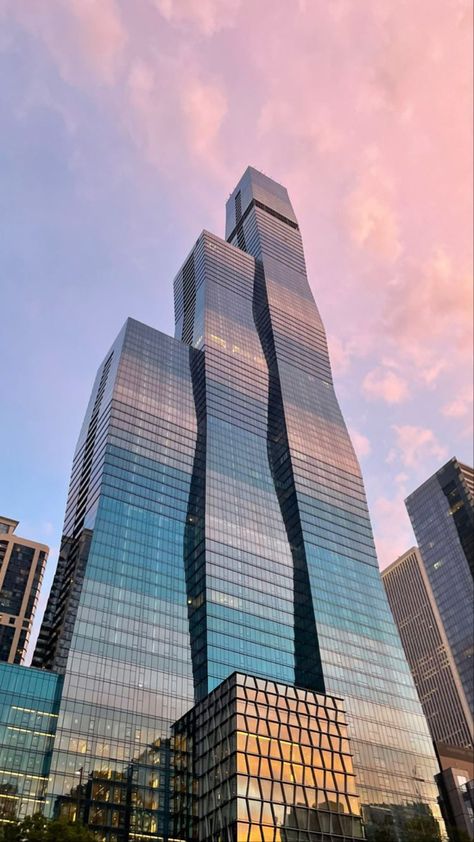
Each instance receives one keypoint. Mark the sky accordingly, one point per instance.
(126, 124)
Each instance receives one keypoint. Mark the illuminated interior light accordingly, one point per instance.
(24, 775)
(39, 712)
(29, 731)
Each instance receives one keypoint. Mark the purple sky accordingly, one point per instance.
(125, 125)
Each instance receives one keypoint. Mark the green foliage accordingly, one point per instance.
(38, 829)
(422, 828)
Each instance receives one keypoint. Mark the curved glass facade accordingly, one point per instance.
(217, 523)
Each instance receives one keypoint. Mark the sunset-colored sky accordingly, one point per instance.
(125, 126)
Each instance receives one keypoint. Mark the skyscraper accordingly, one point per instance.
(428, 652)
(442, 515)
(217, 524)
(22, 564)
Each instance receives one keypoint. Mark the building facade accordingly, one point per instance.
(217, 524)
(442, 515)
(456, 786)
(29, 705)
(22, 563)
(116, 625)
(427, 650)
(258, 757)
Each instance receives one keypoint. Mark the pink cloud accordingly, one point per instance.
(205, 106)
(460, 406)
(361, 443)
(431, 299)
(385, 385)
(414, 445)
(208, 15)
(393, 535)
(370, 210)
(86, 39)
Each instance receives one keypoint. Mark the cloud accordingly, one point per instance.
(392, 533)
(343, 352)
(101, 33)
(431, 304)
(205, 107)
(373, 225)
(371, 218)
(385, 385)
(460, 406)
(361, 443)
(414, 445)
(86, 38)
(340, 354)
(209, 16)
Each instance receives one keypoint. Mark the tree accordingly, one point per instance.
(422, 828)
(38, 829)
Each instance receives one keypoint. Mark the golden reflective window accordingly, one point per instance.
(330, 782)
(241, 741)
(263, 745)
(319, 775)
(242, 831)
(253, 763)
(252, 745)
(287, 772)
(266, 789)
(347, 761)
(277, 792)
(242, 785)
(267, 817)
(265, 768)
(276, 767)
(297, 773)
(254, 809)
(306, 755)
(350, 785)
(325, 743)
(241, 764)
(254, 788)
(284, 733)
(308, 777)
(337, 763)
(296, 755)
(327, 759)
(289, 793)
(286, 751)
(274, 729)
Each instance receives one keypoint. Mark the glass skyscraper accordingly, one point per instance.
(442, 515)
(217, 524)
(428, 652)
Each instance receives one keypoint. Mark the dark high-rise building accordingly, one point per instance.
(217, 524)
(428, 652)
(442, 515)
(22, 564)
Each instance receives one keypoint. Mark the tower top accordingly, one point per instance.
(256, 188)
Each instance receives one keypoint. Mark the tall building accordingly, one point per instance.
(428, 652)
(29, 704)
(442, 515)
(456, 787)
(217, 524)
(22, 564)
